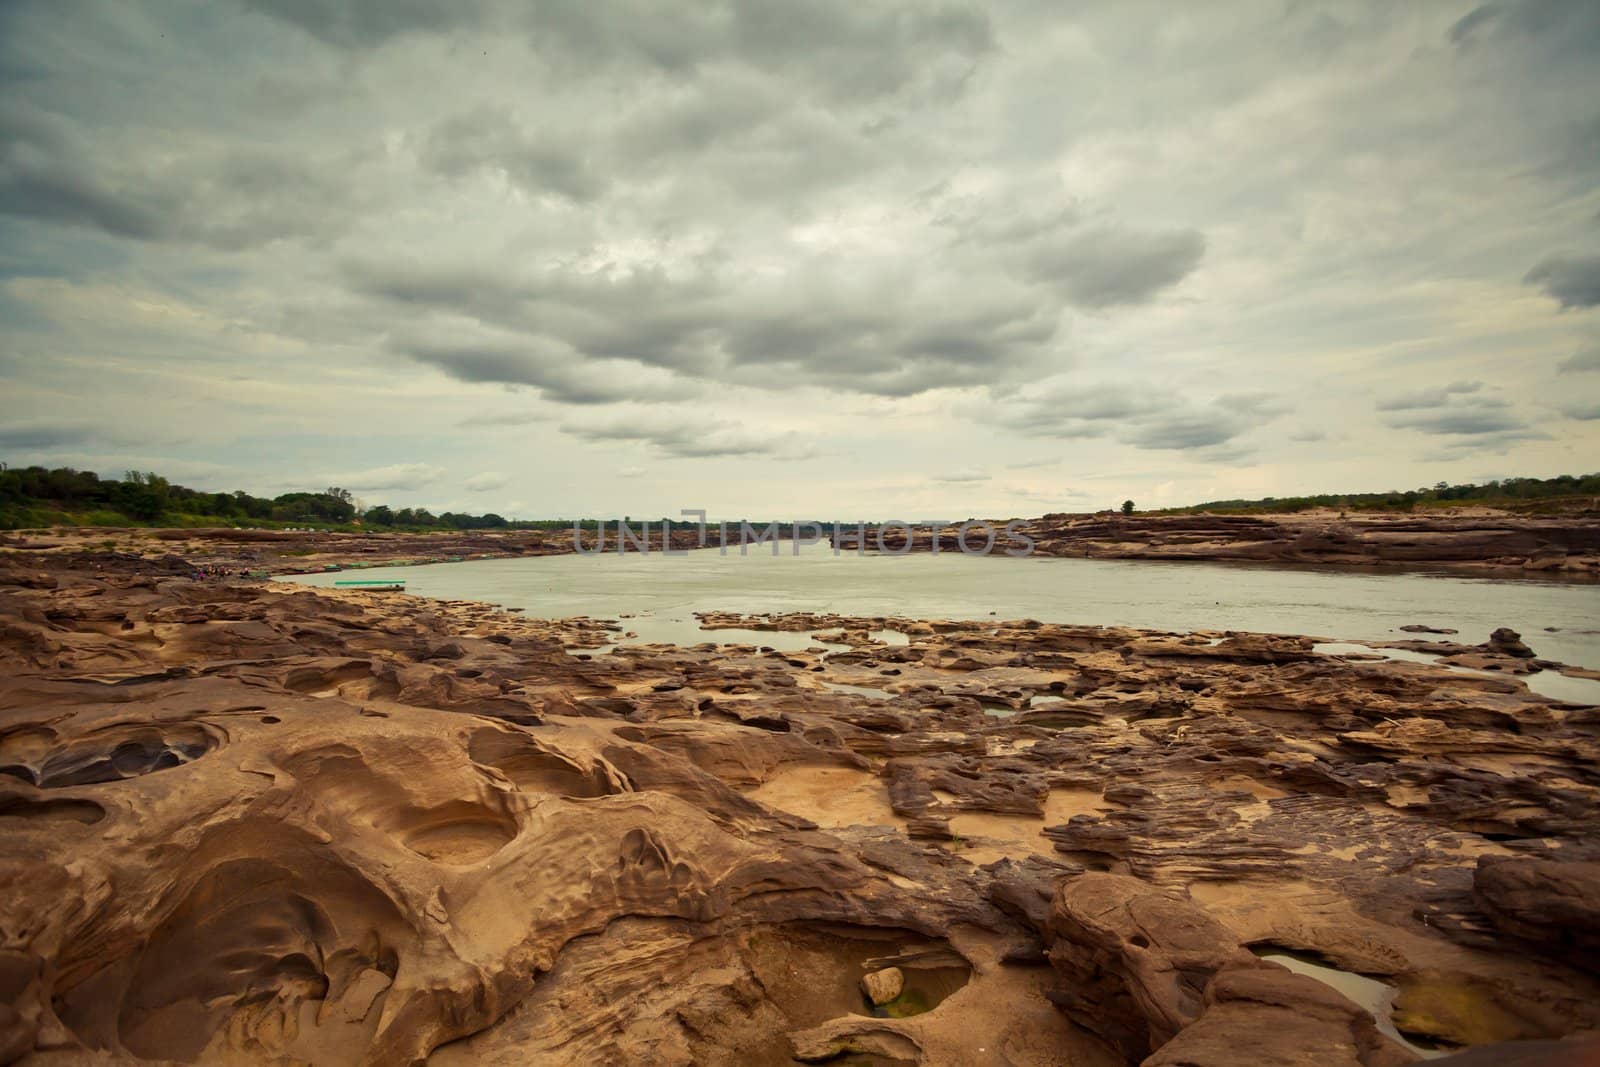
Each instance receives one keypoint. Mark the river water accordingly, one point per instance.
(1560, 620)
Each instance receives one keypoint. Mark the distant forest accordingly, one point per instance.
(1521, 494)
(33, 497)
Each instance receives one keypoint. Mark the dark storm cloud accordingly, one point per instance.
(887, 338)
(45, 175)
(1572, 280)
(236, 198)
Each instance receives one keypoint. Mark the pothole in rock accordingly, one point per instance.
(829, 796)
(459, 834)
(814, 972)
(86, 812)
(1059, 720)
(294, 959)
(536, 769)
(113, 754)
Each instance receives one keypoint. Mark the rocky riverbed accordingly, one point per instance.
(245, 822)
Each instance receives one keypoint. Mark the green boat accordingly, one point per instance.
(395, 585)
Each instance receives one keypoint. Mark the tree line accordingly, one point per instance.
(1500, 492)
(38, 496)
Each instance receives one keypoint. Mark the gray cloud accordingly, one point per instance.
(1572, 280)
(965, 476)
(891, 336)
(1107, 266)
(491, 140)
(230, 199)
(1185, 430)
(1045, 238)
(1142, 417)
(559, 376)
(1434, 397)
(393, 476)
(368, 23)
(1464, 421)
(486, 481)
(1561, 26)
(40, 436)
(305, 221)
(1582, 410)
(1255, 403)
(687, 438)
(1581, 362)
(1461, 410)
(841, 49)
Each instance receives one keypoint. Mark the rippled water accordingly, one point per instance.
(1338, 603)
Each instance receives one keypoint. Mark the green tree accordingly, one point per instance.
(1127, 507)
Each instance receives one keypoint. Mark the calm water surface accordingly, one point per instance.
(663, 593)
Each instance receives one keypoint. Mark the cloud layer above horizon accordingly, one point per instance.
(900, 257)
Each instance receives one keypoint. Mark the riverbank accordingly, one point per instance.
(1477, 540)
(348, 827)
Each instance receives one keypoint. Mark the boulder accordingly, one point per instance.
(883, 986)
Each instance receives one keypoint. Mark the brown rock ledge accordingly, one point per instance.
(244, 823)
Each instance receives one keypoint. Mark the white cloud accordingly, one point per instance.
(487, 480)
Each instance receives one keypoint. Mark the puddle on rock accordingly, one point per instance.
(1552, 685)
(1376, 997)
(857, 690)
(813, 972)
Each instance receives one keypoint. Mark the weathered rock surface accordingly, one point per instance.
(1480, 539)
(245, 823)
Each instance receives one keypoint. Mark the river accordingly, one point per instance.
(1560, 620)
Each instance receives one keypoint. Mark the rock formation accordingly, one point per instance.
(248, 822)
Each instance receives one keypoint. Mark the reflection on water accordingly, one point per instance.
(857, 690)
(1336, 603)
(1369, 993)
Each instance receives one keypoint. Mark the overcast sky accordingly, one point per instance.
(831, 257)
